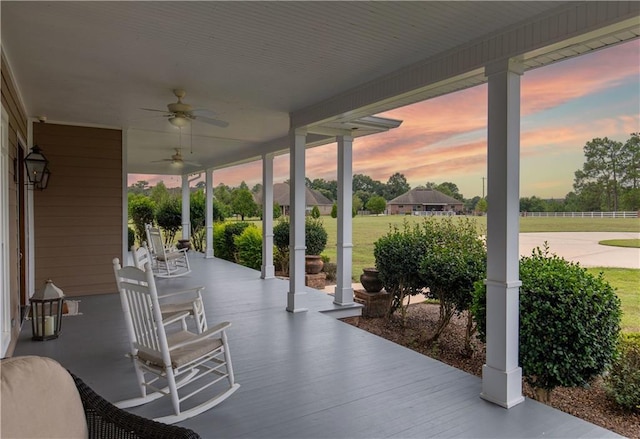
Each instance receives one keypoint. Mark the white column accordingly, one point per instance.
(209, 212)
(297, 204)
(501, 376)
(268, 271)
(344, 289)
(186, 211)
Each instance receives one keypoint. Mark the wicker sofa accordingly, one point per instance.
(41, 399)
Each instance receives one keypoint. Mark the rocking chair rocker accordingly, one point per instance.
(181, 360)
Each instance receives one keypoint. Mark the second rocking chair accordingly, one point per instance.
(184, 362)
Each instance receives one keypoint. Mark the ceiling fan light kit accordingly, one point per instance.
(179, 121)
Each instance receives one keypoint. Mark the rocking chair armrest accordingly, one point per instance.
(175, 318)
(177, 293)
(206, 334)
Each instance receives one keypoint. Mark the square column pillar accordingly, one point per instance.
(344, 289)
(268, 271)
(501, 376)
(209, 212)
(186, 210)
(297, 208)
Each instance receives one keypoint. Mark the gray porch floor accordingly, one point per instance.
(302, 375)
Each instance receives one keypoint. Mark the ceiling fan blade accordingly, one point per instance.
(210, 121)
(203, 112)
(153, 109)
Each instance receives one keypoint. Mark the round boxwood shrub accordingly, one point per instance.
(569, 322)
(281, 235)
(315, 236)
(623, 380)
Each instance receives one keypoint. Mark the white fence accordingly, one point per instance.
(584, 214)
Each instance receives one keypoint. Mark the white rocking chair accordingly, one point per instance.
(181, 360)
(166, 261)
(193, 304)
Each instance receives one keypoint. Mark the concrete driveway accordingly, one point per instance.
(583, 247)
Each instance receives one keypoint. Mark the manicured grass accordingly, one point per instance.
(633, 243)
(551, 224)
(626, 281)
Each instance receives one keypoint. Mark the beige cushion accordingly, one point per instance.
(39, 399)
(185, 354)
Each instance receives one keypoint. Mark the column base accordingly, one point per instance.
(268, 272)
(343, 296)
(503, 388)
(291, 303)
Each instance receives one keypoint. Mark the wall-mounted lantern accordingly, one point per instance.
(37, 168)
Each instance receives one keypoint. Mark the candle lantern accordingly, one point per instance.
(46, 312)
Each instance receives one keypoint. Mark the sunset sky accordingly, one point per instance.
(563, 106)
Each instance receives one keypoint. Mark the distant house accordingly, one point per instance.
(423, 200)
(313, 198)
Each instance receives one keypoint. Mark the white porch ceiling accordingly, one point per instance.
(253, 63)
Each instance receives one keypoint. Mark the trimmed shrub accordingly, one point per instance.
(456, 258)
(219, 247)
(623, 380)
(141, 212)
(277, 210)
(315, 236)
(398, 255)
(334, 210)
(249, 248)
(569, 322)
(131, 237)
(232, 230)
(169, 218)
(281, 235)
(315, 212)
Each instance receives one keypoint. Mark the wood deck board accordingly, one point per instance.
(302, 375)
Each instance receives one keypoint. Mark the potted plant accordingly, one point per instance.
(315, 241)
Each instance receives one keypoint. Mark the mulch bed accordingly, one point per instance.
(590, 404)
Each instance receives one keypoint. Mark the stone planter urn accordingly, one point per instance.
(313, 264)
(183, 243)
(370, 280)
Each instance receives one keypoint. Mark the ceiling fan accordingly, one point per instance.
(181, 114)
(177, 159)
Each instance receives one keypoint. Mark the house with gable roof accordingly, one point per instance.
(423, 200)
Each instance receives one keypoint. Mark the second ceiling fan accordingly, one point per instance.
(180, 114)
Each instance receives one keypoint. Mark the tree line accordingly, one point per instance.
(609, 180)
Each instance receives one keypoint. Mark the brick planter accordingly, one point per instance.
(375, 304)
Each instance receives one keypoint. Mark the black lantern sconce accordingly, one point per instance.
(37, 168)
(46, 312)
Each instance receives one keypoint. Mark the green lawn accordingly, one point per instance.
(633, 243)
(626, 281)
